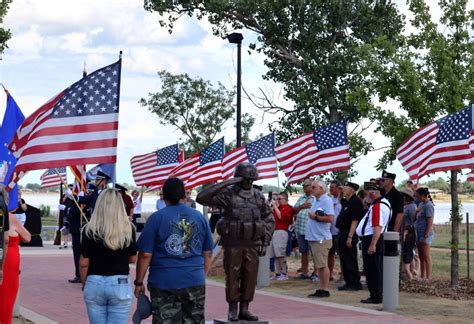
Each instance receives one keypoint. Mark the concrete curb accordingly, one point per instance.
(314, 302)
(35, 317)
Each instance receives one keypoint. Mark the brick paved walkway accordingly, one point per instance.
(45, 291)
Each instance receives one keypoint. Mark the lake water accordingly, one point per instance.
(442, 209)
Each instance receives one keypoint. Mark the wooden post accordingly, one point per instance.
(454, 229)
(467, 247)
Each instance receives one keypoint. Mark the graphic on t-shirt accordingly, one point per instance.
(184, 237)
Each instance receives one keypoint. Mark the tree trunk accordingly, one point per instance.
(454, 229)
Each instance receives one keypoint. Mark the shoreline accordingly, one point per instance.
(436, 199)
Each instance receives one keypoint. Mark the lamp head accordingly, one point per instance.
(235, 38)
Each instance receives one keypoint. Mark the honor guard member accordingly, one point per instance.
(351, 213)
(246, 229)
(395, 199)
(370, 229)
(73, 216)
(4, 227)
(101, 182)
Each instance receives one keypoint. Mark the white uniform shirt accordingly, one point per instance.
(378, 215)
(138, 206)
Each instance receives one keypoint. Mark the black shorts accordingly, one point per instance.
(335, 247)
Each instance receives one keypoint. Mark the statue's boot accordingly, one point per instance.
(232, 314)
(245, 314)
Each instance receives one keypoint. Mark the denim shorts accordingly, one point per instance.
(108, 298)
(303, 245)
(420, 238)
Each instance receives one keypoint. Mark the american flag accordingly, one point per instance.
(260, 152)
(78, 126)
(317, 152)
(203, 167)
(80, 179)
(470, 176)
(50, 177)
(155, 167)
(440, 146)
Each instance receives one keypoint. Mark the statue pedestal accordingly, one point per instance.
(239, 322)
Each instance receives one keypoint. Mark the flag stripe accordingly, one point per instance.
(61, 147)
(85, 156)
(434, 153)
(76, 129)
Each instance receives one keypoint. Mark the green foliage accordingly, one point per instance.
(430, 74)
(313, 48)
(456, 215)
(33, 187)
(4, 33)
(444, 185)
(45, 210)
(197, 109)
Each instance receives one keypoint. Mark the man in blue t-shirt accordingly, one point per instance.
(318, 234)
(175, 247)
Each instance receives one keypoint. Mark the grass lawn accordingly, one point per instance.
(443, 236)
(442, 264)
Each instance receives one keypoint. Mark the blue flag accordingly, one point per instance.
(108, 169)
(11, 121)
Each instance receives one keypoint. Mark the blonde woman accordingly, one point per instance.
(108, 246)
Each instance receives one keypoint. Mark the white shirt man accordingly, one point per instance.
(318, 234)
(370, 230)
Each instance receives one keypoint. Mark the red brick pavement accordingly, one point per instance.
(45, 290)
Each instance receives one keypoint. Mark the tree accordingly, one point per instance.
(35, 187)
(312, 48)
(197, 109)
(430, 75)
(4, 33)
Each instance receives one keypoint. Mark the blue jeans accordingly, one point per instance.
(108, 299)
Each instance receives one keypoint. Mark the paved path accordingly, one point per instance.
(45, 292)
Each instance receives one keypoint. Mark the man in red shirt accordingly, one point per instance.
(283, 218)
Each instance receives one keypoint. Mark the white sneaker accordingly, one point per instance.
(282, 277)
(275, 277)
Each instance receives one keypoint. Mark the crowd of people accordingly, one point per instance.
(176, 244)
(331, 219)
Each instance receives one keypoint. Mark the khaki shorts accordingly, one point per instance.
(320, 252)
(279, 243)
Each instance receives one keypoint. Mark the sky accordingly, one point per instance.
(53, 39)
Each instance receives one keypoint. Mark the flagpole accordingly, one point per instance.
(74, 199)
(115, 166)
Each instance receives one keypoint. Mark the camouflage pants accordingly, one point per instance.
(179, 305)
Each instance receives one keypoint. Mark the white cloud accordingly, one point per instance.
(28, 44)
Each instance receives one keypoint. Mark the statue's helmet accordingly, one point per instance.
(247, 171)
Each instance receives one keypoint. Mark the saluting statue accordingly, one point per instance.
(246, 230)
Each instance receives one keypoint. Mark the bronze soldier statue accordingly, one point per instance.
(246, 229)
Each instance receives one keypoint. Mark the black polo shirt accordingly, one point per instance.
(352, 210)
(395, 199)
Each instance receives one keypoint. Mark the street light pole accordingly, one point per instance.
(236, 38)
